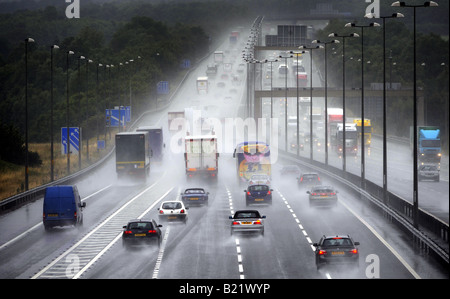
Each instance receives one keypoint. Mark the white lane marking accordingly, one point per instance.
(394, 252)
(91, 262)
(236, 240)
(161, 254)
(40, 223)
(91, 233)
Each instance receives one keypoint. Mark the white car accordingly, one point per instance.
(173, 211)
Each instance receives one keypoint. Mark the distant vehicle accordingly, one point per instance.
(202, 85)
(220, 84)
(155, 141)
(428, 143)
(218, 57)
(247, 221)
(321, 195)
(302, 76)
(258, 194)
(132, 154)
(211, 70)
(139, 231)
(201, 156)
(336, 249)
(309, 180)
(252, 157)
(257, 179)
(351, 139)
(367, 130)
(62, 207)
(428, 172)
(290, 169)
(195, 196)
(173, 211)
(283, 69)
(335, 117)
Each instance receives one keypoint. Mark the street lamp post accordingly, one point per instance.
(298, 114)
(52, 177)
(343, 92)
(27, 40)
(285, 103)
(415, 182)
(394, 15)
(311, 98)
(87, 107)
(335, 41)
(67, 113)
(79, 105)
(363, 174)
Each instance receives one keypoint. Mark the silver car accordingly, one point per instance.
(428, 172)
(247, 221)
(322, 195)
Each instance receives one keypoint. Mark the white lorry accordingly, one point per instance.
(201, 156)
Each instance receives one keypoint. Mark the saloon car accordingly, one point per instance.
(247, 221)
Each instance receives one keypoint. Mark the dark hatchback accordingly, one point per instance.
(195, 196)
(309, 180)
(336, 249)
(258, 194)
(138, 232)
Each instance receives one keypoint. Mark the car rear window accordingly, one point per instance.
(310, 176)
(190, 191)
(140, 225)
(249, 214)
(337, 242)
(323, 190)
(259, 188)
(171, 205)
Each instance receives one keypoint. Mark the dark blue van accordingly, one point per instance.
(62, 206)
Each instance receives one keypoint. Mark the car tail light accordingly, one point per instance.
(318, 178)
(236, 223)
(314, 194)
(75, 215)
(322, 252)
(128, 232)
(268, 192)
(332, 193)
(354, 251)
(152, 231)
(248, 193)
(161, 211)
(182, 211)
(257, 222)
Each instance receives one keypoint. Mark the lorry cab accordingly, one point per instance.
(62, 207)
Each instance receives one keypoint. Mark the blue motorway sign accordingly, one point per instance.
(112, 116)
(162, 87)
(185, 64)
(74, 137)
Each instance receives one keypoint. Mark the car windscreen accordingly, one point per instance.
(171, 205)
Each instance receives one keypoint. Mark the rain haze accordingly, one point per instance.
(255, 102)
